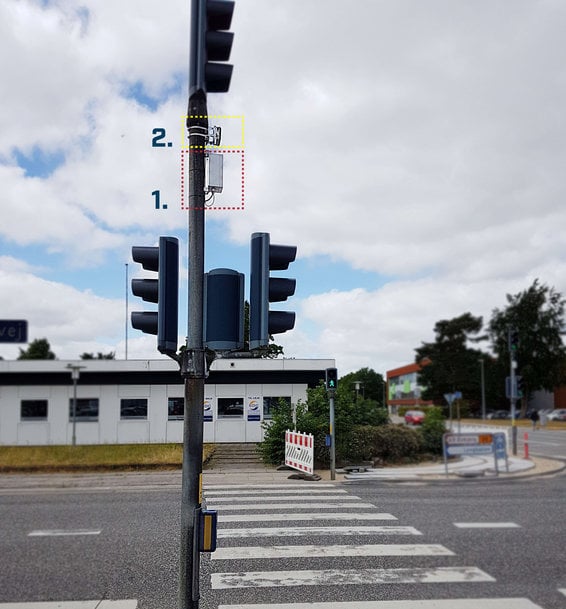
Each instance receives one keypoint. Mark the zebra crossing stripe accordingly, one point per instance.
(445, 603)
(96, 604)
(299, 531)
(280, 498)
(297, 516)
(342, 577)
(486, 525)
(259, 507)
(280, 491)
(287, 485)
(310, 551)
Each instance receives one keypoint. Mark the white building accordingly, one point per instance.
(130, 401)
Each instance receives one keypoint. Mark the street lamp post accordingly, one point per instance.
(75, 374)
(482, 389)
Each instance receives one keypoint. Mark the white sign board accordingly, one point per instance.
(468, 444)
(299, 451)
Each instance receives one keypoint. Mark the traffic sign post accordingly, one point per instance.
(331, 381)
(450, 397)
(482, 443)
(500, 449)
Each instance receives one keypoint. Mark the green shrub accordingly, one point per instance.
(272, 449)
(394, 443)
(387, 443)
(432, 430)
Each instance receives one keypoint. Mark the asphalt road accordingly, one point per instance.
(475, 538)
(543, 443)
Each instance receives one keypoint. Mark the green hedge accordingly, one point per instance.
(388, 443)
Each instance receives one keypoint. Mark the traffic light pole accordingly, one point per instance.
(331, 393)
(513, 383)
(193, 363)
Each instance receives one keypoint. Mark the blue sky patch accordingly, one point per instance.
(39, 163)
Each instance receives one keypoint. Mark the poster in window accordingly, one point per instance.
(207, 415)
(253, 409)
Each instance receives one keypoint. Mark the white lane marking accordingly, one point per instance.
(63, 532)
(258, 507)
(342, 577)
(310, 551)
(98, 604)
(445, 603)
(487, 525)
(282, 491)
(283, 498)
(305, 516)
(298, 531)
(562, 590)
(290, 485)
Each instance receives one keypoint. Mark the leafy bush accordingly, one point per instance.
(387, 443)
(356, 423)
(272, 449)
(432, 430)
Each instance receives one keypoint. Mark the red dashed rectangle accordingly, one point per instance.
(232, 200)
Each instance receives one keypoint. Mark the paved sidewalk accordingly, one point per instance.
(171, 480)
(465, 467)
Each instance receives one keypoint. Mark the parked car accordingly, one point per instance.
(414, 417)
(499, 414)
(557, 415)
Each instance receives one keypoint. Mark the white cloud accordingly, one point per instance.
(422, 142)
(69, 318)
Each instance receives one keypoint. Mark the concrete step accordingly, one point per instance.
(235, 455)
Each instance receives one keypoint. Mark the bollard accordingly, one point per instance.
(526, 438)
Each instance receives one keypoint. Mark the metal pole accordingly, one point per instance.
(75, 377)
(482, 390)
(75, 374)
(193, 366)
(513, 395)
(127, 290)
(332, 437)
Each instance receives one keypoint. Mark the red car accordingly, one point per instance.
(414, 417)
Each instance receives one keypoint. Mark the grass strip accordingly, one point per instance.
(97, 457)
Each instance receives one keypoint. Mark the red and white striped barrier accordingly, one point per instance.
(299, 451)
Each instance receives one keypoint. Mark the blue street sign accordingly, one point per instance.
(499, 445)
(13, 331)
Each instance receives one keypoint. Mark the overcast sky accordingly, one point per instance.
(413, 150)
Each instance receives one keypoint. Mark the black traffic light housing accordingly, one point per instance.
(520, 384)
(265, 289)
(223, 310)
(210, 44)
(331, 379)
(164, 291)
(513, 341)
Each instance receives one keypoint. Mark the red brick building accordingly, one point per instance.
(403, 388)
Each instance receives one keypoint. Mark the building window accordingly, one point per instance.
(230, 408)
(87, 409)
(271, 404)
(176, 409)
(133, 408)
(33, 410)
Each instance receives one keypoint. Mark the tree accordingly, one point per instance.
(99, 355)
(37, 349)
(451, 364)
(537, 314)
(313, 415)
(371, 384)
